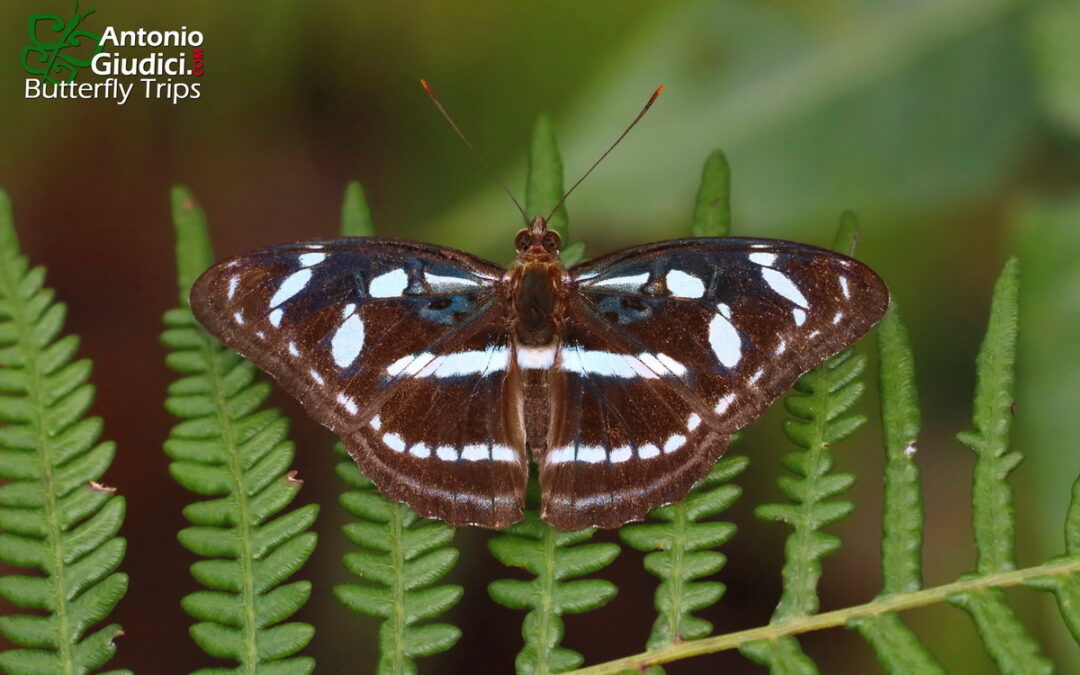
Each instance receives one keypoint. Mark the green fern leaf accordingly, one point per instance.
(226, 448)
(897, 648)
(402, 556)
(712, 206)
(55, 518)
(681, 550)
(554, 558)
(544, 188)
(1003, 635)
(819, 408)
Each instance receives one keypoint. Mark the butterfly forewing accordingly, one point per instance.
(399, 348)
(671, 347)
(740, 319)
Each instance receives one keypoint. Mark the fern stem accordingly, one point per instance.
(399, 662)
(236, 472)
(897, 602)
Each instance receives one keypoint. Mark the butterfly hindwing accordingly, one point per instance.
(399, 348)
(629, 435)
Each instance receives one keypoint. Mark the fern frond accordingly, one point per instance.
(55, 517)
(228, 448)
(819, 407)
(896, 646)
(681, 551)
(554, 558)
(402, 556)
(1002, 633)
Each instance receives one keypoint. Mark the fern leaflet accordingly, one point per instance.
(226, 448)
(682, 553)
(1004, 637)
(55, 518)
(819, 405)
(896, 646)
(403, 555)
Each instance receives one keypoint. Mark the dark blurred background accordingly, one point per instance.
(950, 126)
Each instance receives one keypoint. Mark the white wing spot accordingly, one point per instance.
(724, 310)
(234, 281)
(621, 454)
(311, 259)
(593, 454)
(780, 283)
(813, 334)
(316, 376)
(837, 318)
(763, 259)
(503, 453)
(609, 364)
(693, 421)
(724, 403)
(376, 422)
(275, 317)
(409, 365)
(475, 453)
(389, 284)
(293, 284)
(683, 285)
(631, 282)
(672, 365)
(648, 451)
(674, 443)
(261, 335)
(347, 342)
(420, 450)
(560, 455)
(394, 442)
(844, 287)
(348, 403)
(799, 316)
(446, 453)
(535, 358)
(782, 347)
(238, 317)
(724, 340)
(445, 283)
(756, 376)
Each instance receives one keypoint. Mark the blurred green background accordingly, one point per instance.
(951, 126)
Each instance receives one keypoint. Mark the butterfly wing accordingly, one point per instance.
(673, 346)
(385, 342)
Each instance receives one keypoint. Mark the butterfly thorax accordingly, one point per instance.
(537, 286)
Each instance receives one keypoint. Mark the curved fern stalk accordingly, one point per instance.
(403, 555)
(55, 517)
(896, 646)
(1003, 635)
(553, 557)
(226, 448)
(819, 405)
(682, 553)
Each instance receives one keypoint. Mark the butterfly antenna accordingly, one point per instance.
(461, 135)
(648, 104)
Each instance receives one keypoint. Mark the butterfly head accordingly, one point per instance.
(536, 243)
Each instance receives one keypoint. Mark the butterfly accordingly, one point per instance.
(621, 378)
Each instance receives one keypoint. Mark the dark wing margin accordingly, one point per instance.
(673, 346)
(383, 341)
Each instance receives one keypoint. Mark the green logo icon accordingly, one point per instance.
(47, 58)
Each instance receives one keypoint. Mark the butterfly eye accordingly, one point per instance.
(552, 242)
(521, 241)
